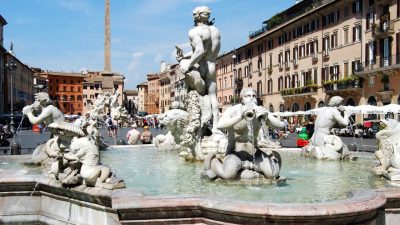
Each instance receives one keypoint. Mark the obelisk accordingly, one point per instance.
(107, 75)
(107, 39)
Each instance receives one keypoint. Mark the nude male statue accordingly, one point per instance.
(327, 118)
(199, 65)
(49, 113)
(243, 123)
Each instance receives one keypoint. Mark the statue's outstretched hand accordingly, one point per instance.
(260, 111)
(26, 110)
(179, 53)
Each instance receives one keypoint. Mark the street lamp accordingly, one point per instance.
(234, 77)
(11, 66)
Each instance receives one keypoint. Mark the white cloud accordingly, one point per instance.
(158, 58)
(136, 57)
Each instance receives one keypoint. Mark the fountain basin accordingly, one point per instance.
(27, 198)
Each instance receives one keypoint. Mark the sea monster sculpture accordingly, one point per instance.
(388, 152)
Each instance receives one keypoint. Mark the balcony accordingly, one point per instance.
(388, 65)
(295, 62)
(280, 65)
(349, 84)
(287, 65)
(314, 57)
(383, 30)
(299, 91)
(325, 54)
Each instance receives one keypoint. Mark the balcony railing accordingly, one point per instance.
(378, 64)
(314, 56)
(287, 65)
(383, 30)
(325, 53)
(309, 89)
(343, 84)
(295, 62)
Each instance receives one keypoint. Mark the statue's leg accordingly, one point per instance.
(211, 83)
(105, 172)
(229, 169)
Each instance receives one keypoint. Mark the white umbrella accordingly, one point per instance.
(393, 108)
(368, 109)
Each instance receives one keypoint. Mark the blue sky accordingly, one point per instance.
(68, 35)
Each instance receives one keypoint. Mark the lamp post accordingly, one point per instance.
(11, 67)
(234, 77)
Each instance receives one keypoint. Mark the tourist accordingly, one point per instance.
(146, 136)
(133, 135)
(109, 124)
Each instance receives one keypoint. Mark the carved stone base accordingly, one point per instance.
(111, 183)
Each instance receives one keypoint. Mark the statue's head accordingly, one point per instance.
(201, 14)
(42, 98)
(335, 101)
(248, 95)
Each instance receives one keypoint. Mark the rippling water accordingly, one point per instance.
(164, 173)
(308, 180)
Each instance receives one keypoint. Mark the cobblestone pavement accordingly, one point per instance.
(29, 140)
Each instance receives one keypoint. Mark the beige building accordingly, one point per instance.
(313, 50)
(99, 82)
(142, 96)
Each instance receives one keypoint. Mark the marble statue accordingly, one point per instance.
(76, 160)
(89, 126)
(199, 65)
(201, 135)
(48, 112)
(174, 121)
(118, 112)
(388, 152)
(42, 112)
(244, 159)
(322, 144)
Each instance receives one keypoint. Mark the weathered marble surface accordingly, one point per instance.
(322, 144)
(388, 152)
(244, 159)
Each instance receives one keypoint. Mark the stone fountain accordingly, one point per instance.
(71, 156)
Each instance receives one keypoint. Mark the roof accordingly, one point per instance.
(143, 84)
(131, 92)
(63, 74)
(3, 21)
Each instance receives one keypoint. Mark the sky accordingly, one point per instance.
(68, 35)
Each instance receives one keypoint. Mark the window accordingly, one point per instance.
(357, 6)
(345, 69)
(64, 88)
(357, 33)
(370, 20)
(325, 45)
(345, 36)
(64, 81)
(270, 44)
(72, 88)
(270, 87)
(57, 81)
(334, 40)
(334, 72)
(71, 81)
(370, 53)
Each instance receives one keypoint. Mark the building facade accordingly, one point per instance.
(65, 89)
(317, 49)
(165, 90)
(3, 51)
(131, 100)
(142, 96)
(152, 103)
(22, 88)
(96, 83)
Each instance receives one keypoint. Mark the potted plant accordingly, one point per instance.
(270, 69)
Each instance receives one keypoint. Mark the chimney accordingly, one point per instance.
(163, 66)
